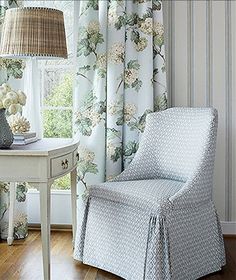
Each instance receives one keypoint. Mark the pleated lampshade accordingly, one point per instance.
(33, 32)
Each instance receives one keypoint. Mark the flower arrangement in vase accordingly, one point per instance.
(11, 103)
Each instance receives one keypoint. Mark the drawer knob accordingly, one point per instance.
(64, 164)
(77, 156)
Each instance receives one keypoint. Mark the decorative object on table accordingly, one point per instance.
(11, 102)
(24, 140)
(24, 136)
(19, 124)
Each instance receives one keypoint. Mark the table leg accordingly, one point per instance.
(10, 237)
(73, 176)
(44, 189)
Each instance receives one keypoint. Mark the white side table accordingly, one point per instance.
(40, 164)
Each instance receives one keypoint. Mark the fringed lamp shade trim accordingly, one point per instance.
(33, 31)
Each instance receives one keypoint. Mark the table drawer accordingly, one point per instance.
(61, 164)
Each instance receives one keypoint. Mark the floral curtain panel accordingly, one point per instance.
(10, 71)
(120, 79)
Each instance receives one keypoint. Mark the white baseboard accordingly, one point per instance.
(228, 228)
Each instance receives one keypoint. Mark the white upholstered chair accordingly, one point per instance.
(157, 220)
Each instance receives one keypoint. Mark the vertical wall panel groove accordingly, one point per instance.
(228, 111)
(168, 20)
(219, 101)
(180, 53)
(190, 52)
(233, 116)
(172, 50)
(209, 53)
(199, 53)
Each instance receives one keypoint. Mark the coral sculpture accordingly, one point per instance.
(19, 124)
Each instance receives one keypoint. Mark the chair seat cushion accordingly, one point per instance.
(143, 193)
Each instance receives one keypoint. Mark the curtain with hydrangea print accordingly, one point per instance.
(120, 79)
(11, 71)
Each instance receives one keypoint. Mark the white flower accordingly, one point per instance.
(89, 156)
(95, 118)
(116, 53)
(112, 16)
(85, 154)
(129, 111)
(13, 109)
(112, 109)
(6, 87)
(2, 94)
(158, 29)
(93, 27)
(21, 219)
(141, 45)
(7, 102)
(130, 76)
(111, 149)
(1, 105)
(102, 61)
(19, 108)
(13, 95)
(146, 26)
(21, 97)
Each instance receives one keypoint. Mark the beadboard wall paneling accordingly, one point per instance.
(201, 43)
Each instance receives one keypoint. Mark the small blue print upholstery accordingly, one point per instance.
(157, 220)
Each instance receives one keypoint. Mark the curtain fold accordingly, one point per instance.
(120, 79)
(11, 71)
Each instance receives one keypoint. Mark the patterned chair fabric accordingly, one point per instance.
(157, 220)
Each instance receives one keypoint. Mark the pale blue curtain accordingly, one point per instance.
(121, 77)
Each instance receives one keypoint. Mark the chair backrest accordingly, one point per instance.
(176, 142)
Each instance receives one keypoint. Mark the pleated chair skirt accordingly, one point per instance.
(137, 244)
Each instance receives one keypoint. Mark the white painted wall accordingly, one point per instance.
(201, 44)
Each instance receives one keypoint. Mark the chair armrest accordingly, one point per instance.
(195, 191)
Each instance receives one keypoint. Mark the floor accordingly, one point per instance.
(22, 261)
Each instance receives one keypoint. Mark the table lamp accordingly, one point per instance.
(33, 32)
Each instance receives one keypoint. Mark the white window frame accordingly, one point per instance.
(43, 107)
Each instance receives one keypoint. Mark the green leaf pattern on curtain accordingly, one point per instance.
(9, 67)
(120, 79)
(12, 68)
